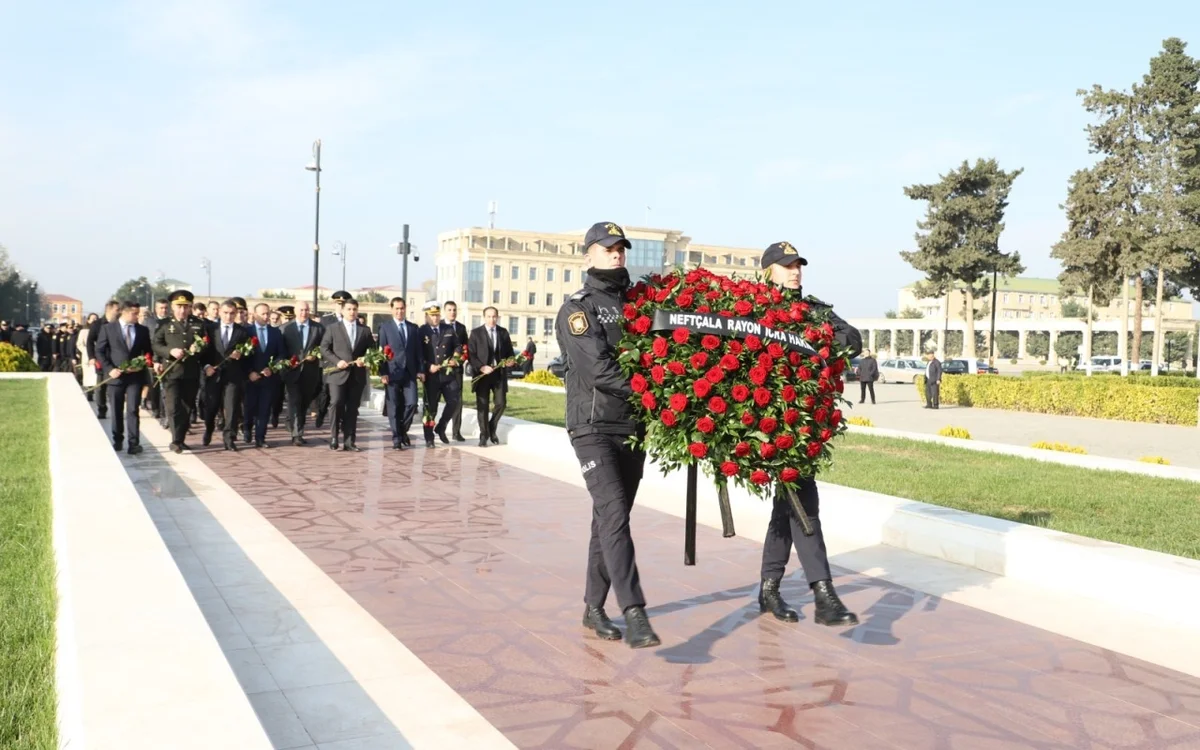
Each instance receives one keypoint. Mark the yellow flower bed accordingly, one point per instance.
(542, 377)
(1155, 460)
(1060, 447)
(955, 432)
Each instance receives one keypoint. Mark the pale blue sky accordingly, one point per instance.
(139, 136)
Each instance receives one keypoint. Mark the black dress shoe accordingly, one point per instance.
(770, 600)
(397, 444)
(207, 439)
(407, 440)
(274, 424)
(639, 634)
(459, 438)
(350, 446)
(117, 447)
(495, 440)
(230, 446)
(258, 443)
(176, 448)
(135, 449)
(429, 443)
(333, 444)
(301, 441)
(483, 442)
(830, 610)
(442, 436)
(595, 619)
(101, 415)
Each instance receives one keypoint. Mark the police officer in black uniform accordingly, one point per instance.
(784, 268)
(174, 340)
(441, 342)
(600, 421)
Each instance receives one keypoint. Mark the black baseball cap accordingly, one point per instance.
(607, 234)
(782, 253)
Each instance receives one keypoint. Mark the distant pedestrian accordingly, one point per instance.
(933, 382)
(868, 373)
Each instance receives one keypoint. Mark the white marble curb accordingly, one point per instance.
(137, 665)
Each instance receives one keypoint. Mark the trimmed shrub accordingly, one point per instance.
(1141, 378)
(1155, 460)
(1103, 398)
(860, 421)
(542, 377)
(1060, 447)
(955, 432)
(15, 359)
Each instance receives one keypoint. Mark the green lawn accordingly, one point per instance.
(27, 595)
(1155, 514)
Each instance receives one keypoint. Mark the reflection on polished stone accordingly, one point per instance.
(477, 567)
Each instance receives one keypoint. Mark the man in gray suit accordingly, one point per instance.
(303, 383)
(342, 346)
(933, 382)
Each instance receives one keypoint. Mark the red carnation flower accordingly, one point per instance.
(680, 335)
(706, 425)
(788, 393)
(758, 375)
(789, 475)
(668, 417)
(729, 469)
(741, 450)
(676, 368)
(783, 442)
(701, 388)
(638, 383)
(762, 396)
(685, 299)
(814, 450)
(678, 402)
(775, 349)
(753, 343)
(715, 375)
(729, 362)
(659, 347)
(791, 416)
(747, 418)
(630, 312)
(826, 435)
(699, 450)
(742, 307)
(717, 405)
(647, 359)
(740, 393)
(758, 476)
(642, 325)
(734, 346)
(699, 360)
(710, 342)
(766, 450)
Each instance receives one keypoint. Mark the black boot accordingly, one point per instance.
(640, 634)
(595, 619)
(770, 600)
(830, 610)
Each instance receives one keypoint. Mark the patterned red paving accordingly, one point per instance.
(477, 567)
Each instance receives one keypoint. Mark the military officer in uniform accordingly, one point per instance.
(784, 267)
(175, 341)
(460, 331)
(441, 343)
(600, 421)
(334, 318)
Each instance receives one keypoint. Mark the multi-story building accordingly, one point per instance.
(62, 308)
(528, 275)
(376, 298)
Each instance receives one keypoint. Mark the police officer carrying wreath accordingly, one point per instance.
(600, 420)
(784, 268)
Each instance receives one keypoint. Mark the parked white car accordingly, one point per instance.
(901, 370)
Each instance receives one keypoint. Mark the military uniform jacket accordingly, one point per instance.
(845, 334)
(589, 328)
(172, 334)
(440, 343)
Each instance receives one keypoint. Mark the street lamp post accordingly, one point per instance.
(339, 249)
(404, 248)
(315, 166)
(206, 264)
(992, 337)
(29, 290)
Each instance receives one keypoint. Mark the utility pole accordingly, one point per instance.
(992, 337)
(206, 264)
(315, 166)
(339, 249)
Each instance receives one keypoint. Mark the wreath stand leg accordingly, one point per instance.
(798, 510)
(726, 512)
(689, 521)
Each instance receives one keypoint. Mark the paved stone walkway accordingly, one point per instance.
(477, 567)
(898, 408)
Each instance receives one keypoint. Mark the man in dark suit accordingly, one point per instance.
(181, 339)
(402, 373)
(22, 338)
(45, 348)
(226, 387)
(119, 342)
(490, 345)
(343, 344)
(460, 333)
(303, 383)
(111, 310)
(153, 393)
(260, 391)
(933, 382)
(338, 299)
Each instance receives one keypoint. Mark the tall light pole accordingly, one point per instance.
(29, 290)
(206, 264)
(339, 249)
(405, 249)
(315, 166)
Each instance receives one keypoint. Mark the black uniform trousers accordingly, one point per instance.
(322, 403)
(260, 399)
(933, 394)
(344, 401)
(784, 530)
(102, 396)
(178, 394)
(612, 471)
(458, 412)
(300, 395)
(437, 386)
(125, 396)
(491, 386)
(867, 385)
(228, 398)
(277, 403)
(155, 400)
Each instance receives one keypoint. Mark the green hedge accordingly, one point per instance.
(1141, 378)
(13, 359)
(1105, 398)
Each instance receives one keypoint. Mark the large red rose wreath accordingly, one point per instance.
(731, 375)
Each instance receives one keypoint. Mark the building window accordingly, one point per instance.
(516, 273)
(495, 296)
(533, 273)
(476, 321)
(567, 276)
(548, 326)
(530, 326)
(473, 281)
(532, 299)
(680, 257)
(645, 257)
(495, 272)
(72, 308)
(549, 300)
(1006, 298)
(1020, 299)
(1043, 300)
(549, 274)
(513, 322)
(512, 298)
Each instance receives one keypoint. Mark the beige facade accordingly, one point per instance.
(61, 308)
(528, 275)
(372, 300)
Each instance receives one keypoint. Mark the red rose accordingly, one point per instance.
(630, 312)
(642, 324)
(810, 402)
(295, 361)
(747, 418)
(791, 416)
(388, 353)
(678, 402)
(254, 341)
(820, 415)
(659, 347)
(775, 349)
(638, 383)
(753, 343)
(758, 375)
(814, 450)
(658, 374)
(710, 342)
(742, 307)
(149, 360)
(784, 371)
(803, 373)
(699, 360)
(717, 405)
(826, 374)
(766, 450)
(788, 394)
(815, 360)
(825, 353)
(715, 375)
(734, 346)
(676, 368)
(761, 298)
(680, 335)
(703, 309)
(729, 362)
(741, 450)
(789, 475)
(661, 295)
(835, 418)
(826, 435)
(812, 335)
(794, 358)
(767, 424)
(827, 329)
(758, 476)
(740, 393)
(762, 396)
(765, 361)
(667, 417)
(783, 442)
(647, 359)
(840, 386)
(706, 425)
(838, 366)
(699, 450)
(805, 430)
(649, 401)
(729, 469)
(684, 300)
(701, 388)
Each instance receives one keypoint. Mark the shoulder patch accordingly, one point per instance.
(578, 323)
(579, 295)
